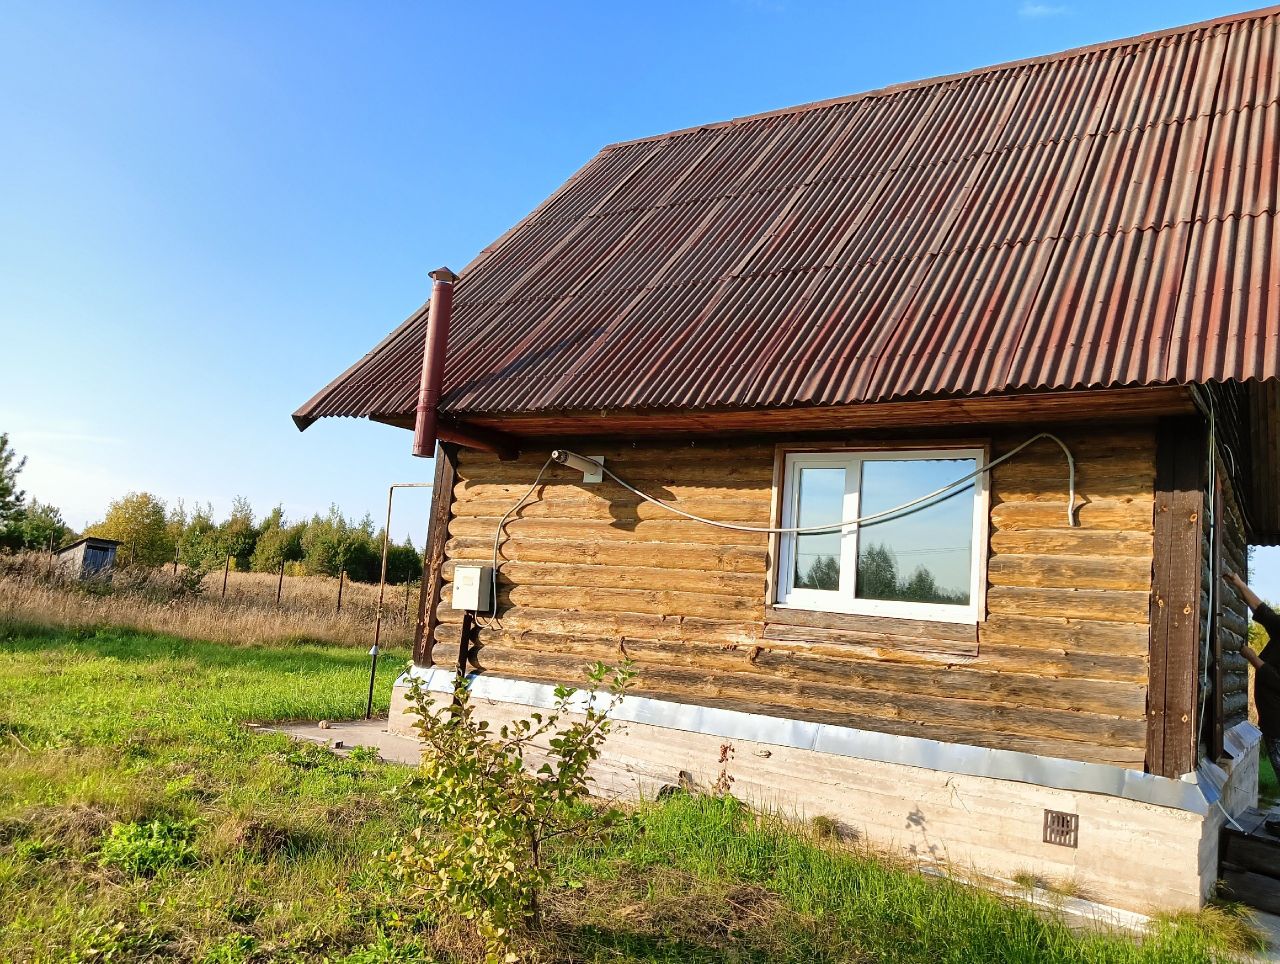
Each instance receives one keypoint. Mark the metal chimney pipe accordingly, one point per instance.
(438, 316)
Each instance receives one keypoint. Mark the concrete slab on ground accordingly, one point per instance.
(342, 736)
(1269, 924)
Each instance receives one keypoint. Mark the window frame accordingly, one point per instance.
(782, 595)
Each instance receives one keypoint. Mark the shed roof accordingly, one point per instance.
(95, 541)
(1100, 217)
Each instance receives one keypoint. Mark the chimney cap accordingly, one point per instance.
(444, 275)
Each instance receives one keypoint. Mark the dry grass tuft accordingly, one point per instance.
(76, 826)
(256, 836)
(31, 593)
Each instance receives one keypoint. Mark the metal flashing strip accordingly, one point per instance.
(1191, 793)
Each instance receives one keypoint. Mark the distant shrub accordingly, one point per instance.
(143, 849)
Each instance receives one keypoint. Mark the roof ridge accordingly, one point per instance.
(1258, 14)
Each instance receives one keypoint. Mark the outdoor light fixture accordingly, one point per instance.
(592, 469)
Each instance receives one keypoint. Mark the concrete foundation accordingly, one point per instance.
(1131, 853)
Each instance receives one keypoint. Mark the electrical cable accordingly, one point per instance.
(905, 508)
(497, 536)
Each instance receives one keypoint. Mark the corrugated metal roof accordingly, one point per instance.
(1101, 217)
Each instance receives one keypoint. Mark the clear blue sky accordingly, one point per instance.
(208, 211)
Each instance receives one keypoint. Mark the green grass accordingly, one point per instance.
(140, 821)
(1268, 784)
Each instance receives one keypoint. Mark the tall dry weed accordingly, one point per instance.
(33, 591)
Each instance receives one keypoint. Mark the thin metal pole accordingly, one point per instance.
(407, 584)
(226, 570)
(342, 575)
(373, 674)
(382, 584)
(280, 583)
(177, 548)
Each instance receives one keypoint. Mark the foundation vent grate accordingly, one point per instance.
(1061, 828)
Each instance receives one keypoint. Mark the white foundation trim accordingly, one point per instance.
(1195, 792)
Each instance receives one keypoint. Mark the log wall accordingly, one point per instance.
(591, 572)
(1234, 614)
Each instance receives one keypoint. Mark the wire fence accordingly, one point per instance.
(225, 604)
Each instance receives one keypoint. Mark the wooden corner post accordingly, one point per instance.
(1175, 595)
(433, 555)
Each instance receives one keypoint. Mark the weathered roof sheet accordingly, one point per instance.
(1101, 217)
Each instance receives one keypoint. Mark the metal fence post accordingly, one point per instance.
(280, 583)
(342, 577)
(226, 571)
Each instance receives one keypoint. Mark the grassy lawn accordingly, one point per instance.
(140, 821)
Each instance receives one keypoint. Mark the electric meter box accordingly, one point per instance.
(471, 587)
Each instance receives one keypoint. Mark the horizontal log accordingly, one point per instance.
(1073, 635)
(667, 529)
(1084, 445)
(578, 505)
(638, 453)
(1037, 484)
(1102, 605)
(556, 575)
(882, 644)
(971, 682)
(693, 629)
(1118, 465)
(855, 707)
(661, 602)
(1118, 514)
(879, 625)
(1071, 572)
(1071, 542)
(559, 491)
(1235, 703)
(1062, 663)
(658, 472)
(519, 547)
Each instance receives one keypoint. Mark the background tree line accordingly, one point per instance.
(154, 533)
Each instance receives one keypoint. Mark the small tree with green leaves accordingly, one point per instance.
(140, 522)
(485, 815)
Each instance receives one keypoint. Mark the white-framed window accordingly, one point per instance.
(925, 564)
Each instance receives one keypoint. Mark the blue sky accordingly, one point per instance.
(208, 211)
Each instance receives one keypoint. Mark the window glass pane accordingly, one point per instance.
(924, 556)
(821, 502)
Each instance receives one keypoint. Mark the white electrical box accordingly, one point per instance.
(593, 474)
(471, 587)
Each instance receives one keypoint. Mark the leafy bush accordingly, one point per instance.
(484, 817)
(143, 849)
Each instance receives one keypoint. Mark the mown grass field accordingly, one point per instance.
(140, 821)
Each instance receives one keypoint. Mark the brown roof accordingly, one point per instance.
(1100, 217)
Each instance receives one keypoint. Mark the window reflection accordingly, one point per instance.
(820, 502)
(924, 556)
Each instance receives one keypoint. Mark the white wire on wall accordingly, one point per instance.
(906, 508)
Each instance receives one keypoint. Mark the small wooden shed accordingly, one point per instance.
(88, 558)
(808, 317)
